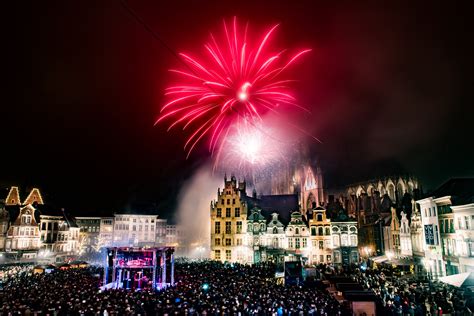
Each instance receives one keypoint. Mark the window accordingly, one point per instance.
(344, 240)
(335, 241)
(262, 227)
(249, 228)
(328, 258)
(227, 212)
(321, 244)
(459, 222)
(466, 222)
(305, 243)
(228, 201)
(239, 227)
(320, 231)
(233, 201)
(429, 235)
(321, 258)
(134, 220)
(275, 230)
(219, 212)
(297, 231)
(228, 242)
(290, 242)
(222, 201)
(328, 231)
(134, 228)
(228, 255)
(239, 241)
(313, 231)
(354, 240)
(237, 212)
(43, 226)
(217, 228)
(319, 217)
(228, 228)
(436, 235)
(430, 211)
(441, 226)
(434, 211)
(297, 243)
(426, 213)
(217, 254)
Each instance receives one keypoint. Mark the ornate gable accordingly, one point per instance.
(34, 196)
(13, 197)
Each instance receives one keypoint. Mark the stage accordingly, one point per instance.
(139, 268)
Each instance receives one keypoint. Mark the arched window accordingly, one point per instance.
(320, 231)
(275, 230)
(313, 231)
(297, 231)
(250, 228)
(328, 231)
(255, 227)
(319, 217)
(262, 227)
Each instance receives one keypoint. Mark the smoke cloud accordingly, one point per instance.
(193, 212)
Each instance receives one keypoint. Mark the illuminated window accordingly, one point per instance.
(239, 227)
(228, 255)
(219, 212)
(227, 212)
(237, 211)
(228, 242)
(217, 254)
(217, 228)
(228, 228)
(297, 243)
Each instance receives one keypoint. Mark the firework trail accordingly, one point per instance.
(238, 81)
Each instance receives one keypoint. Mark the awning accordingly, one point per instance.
(379, 259)
(459, 280)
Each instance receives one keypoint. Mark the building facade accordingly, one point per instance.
(89, 231)
(320, 237)
(23, 234)
(345, 241)
(228, 223)
(134, 230)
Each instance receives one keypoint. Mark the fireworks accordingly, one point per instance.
(250, 146)
(238, 82)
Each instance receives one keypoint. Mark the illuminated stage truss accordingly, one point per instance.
(139, 268)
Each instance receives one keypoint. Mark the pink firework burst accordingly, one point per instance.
(237, 80)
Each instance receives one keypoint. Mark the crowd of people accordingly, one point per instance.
(202, 288)
(213, 288)
(413, 295)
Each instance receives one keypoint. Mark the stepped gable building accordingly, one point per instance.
(228, 223)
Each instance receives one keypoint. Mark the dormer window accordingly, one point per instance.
(26, 219)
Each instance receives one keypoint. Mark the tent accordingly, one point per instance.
(459, 280)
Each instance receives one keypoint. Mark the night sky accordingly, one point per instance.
(390, 89)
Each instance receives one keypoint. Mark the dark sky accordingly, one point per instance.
(390, 88)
